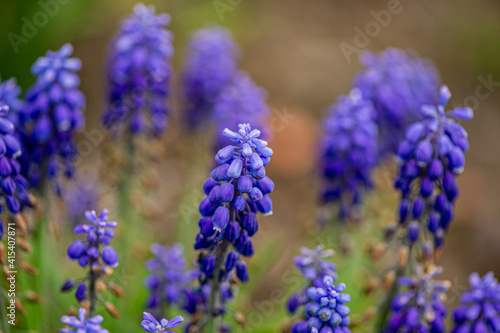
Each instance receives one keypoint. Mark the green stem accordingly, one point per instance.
(41, 320)
(386, 306)
(92, 292)
(215, 287)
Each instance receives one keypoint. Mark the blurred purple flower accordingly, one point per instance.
(398, 83)
(211, 65)
(53, 114)
(479, 309)
(349, 152)
(242, 101)
(139, 73)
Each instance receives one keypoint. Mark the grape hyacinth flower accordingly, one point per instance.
(398, 83)
(82, 324)
(10, 95)
(326, 310)
(420, 307)
(139, 73)
(80, 196)
(212, 62)
(349, 153)
(313, 266)
(479, 309)
(53, 114)
(237, 190)
(152, 325)
(95, 253)
(14, 188)
(168, 276)
(240, 101)
(431, 156)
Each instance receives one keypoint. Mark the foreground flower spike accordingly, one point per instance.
(95, 253)
(431, 156)
(82, 324)
(53, 114)
(349, 153)
(168, 276)
(479, 310)
(13, 187)
(236, 192)
(420, 307)
(398, 83)
(240, 101)
(152, 325)
(326, 309)
(211, 64)
(314, 266)
(139, 73)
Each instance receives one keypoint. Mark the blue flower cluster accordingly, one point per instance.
(89, 253)
(10, 95)
(152, 325)
(326, 310)
(431, 154)
(240, 101)
(420, 307)
(82, 324)
(313, 266)
(52, 115)
(140, 72)
(14, 188)
(479, 310)
(398, 83)
(237, 190)
(349, 152)
(168, 276)
(211, 64)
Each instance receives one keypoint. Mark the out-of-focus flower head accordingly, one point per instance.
(479, 309)
(168, 276)
(420, 306)
(139, 73)
(242, 101)
(52, 116)
(349, 152)
(398, 83)
(211, 64)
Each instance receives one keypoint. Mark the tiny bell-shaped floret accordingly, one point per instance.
(245, 184)
(242, 271)
(231, 260)
(225, 154)
(110, 257)
(80, 292)
(221, 218)
(226, 192)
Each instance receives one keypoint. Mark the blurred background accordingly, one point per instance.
(292, 49)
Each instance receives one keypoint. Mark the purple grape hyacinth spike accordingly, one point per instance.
(398, 83)
(431, 156)
(139, 74)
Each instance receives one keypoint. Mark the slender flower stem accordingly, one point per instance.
(215, 287)
(92, 292)
(41, 320)
(386, 306)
